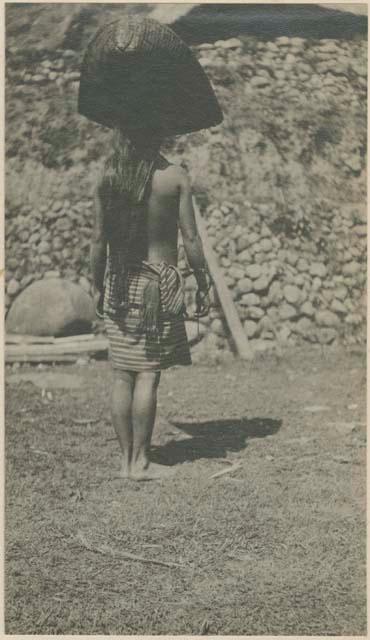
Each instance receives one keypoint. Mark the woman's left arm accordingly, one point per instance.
(98, 249)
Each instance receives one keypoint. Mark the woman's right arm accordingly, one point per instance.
(192, 242)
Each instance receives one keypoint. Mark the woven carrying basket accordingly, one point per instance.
(138, 74)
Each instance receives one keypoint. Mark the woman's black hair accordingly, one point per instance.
(125, 181)
(128, 169)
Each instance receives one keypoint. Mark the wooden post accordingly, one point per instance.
(223, 292)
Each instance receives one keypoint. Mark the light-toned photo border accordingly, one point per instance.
(359, 7)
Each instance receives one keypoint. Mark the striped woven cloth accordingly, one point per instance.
(131, 348)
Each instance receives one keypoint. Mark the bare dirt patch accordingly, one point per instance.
(275, 546)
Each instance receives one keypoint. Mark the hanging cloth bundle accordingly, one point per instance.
(162, 294)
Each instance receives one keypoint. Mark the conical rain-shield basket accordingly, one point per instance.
(137, 74)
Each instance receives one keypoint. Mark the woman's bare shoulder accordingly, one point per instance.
(172, 171)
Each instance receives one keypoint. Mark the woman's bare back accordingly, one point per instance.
(167, 208)
(162, 213)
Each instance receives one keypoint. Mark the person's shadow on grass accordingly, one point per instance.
(212, 439)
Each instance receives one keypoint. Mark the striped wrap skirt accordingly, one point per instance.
(131, 347)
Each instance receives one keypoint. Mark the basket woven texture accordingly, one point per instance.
(138, 74)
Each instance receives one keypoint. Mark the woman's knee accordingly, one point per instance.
(149, 379)
(126, 378)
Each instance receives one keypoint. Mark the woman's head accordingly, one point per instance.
(146, 141)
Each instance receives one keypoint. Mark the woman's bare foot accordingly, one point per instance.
(125, 470)
(150, 471)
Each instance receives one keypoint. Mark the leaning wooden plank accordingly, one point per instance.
(224, 295)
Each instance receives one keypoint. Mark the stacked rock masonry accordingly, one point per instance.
(290, 289)
(281, 183)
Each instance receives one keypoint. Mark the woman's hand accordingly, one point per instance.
(98, 298)
(202, 302)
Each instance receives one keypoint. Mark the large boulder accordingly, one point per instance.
(51, 307)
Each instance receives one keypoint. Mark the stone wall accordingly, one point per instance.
(281, 182)
(287, 289)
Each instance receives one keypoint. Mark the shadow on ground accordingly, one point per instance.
(213, 439)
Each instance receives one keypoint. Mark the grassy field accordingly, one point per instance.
(276, 546)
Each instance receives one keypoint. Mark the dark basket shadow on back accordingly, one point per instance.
(213, 439)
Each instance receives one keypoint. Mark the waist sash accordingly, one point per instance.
(162, 294)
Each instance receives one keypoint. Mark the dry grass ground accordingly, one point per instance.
(276, 547)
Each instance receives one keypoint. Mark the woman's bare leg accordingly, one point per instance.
(143, 417)
(122, 397)
(144, 408)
